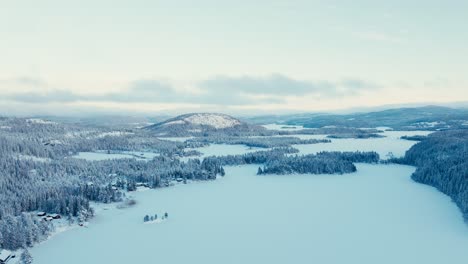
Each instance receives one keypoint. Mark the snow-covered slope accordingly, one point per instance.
(200, 123)
(217, 121)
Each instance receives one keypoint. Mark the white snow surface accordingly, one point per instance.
(113, 134)
(376, 215)
(217, 121)
(5, 254)
(139, 155)
(33, 158)
(221, 149)
(41, 121)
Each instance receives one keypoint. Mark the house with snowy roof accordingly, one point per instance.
(5, 256)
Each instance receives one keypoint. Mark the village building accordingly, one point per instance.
(5, 256)
(55, 216)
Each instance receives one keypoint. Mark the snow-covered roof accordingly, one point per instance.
(4, 254)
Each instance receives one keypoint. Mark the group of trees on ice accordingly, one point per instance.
(259, 142)
(257, 157)
(283, 161)
(149, 218)
(320, 163)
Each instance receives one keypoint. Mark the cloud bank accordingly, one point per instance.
(220, 90)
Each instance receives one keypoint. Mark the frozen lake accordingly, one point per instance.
(376, 215)
(222, 149)
(390, 143)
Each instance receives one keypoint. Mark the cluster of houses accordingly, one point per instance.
(5, 256)
(48, 217)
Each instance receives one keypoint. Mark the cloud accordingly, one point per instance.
(276, 86)
(220, 90)
(45, 97)
(144, 91)
(139, 91)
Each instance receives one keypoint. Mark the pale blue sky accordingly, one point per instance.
(231, 55)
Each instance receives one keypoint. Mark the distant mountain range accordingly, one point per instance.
(420, 118)
(412, 118)
(408, 118)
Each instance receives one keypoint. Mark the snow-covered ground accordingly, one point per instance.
(217, 121)
(223, 150)
(376, 215)
(40, 121)
(33, 158)
(121, 155)
(113, 134)
(178, 139)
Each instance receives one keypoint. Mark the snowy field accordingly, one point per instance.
(376, 215)
(121, 155)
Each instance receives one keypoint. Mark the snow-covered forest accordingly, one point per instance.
(442, 162)
(38, 173)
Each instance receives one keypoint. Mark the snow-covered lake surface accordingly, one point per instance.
(223, 150)
(121, 155)
(390, 143)
(376, 215)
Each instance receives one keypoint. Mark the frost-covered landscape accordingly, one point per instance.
(377, 214)
(243, 132)
(250, 193)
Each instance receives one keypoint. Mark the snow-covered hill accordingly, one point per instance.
(196, 123)
(217, 121)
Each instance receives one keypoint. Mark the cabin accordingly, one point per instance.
(41, 214)
(55, 216)
(5, 256)
(141, 184)
(47, 218)
(51, 217)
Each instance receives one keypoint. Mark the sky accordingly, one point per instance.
(149, 56)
